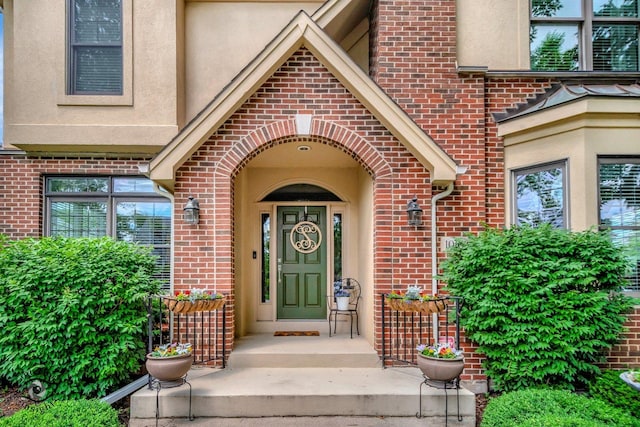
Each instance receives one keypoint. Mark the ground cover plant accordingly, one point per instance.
(66, 413)
(553, 408)
(610, 388)
(541, 303)
(73, 315)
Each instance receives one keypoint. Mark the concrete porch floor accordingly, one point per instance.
(302, 381)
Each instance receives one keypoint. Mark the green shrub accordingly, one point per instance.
(72, 313)
(609, 387)
(65, 413)
(539, 302)
(552, 408)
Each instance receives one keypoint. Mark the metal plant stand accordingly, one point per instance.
(445, 385)
(158, 385)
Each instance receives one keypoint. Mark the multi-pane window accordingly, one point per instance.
(540, 195)
(95, 47)
(126, 208)
(619, 200)
(593, 35)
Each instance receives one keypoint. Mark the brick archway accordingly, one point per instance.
(321, 131)
(237, 156)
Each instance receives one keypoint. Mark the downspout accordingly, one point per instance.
(434, 250)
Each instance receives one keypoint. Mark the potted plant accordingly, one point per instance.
(342, 299)
(440, 362)
(414, 299)
(632, 378)
(193, 300)
(170, 362)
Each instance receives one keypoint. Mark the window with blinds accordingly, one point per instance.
(594, 35)
(540, 195)
(126, 208)
(95, 47)
(619, 208)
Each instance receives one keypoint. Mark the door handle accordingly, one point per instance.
(279, 271)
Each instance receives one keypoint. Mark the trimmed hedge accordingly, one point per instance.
(552, 408)
(66, 413)
(72, 313)
(609, 387)
(540, 302)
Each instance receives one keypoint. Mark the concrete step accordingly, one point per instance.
(265, 351)
(302, 392)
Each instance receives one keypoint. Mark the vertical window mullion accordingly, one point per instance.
(586, 52)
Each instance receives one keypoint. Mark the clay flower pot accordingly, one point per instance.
(439, 369)
(170, 368)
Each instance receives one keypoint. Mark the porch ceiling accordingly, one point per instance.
(302, 31)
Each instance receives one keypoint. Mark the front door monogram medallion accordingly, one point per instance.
(302, 237)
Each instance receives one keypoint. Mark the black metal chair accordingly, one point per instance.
(352, 288)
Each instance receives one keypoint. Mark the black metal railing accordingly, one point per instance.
(403, 331)
(205, 330)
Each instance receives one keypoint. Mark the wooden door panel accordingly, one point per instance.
(302, 277)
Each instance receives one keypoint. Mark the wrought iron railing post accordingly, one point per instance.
(224, 334)
(384, 325)
(401, 329)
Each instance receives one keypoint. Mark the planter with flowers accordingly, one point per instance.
(342, 299)
(415, 300)
(194, 300)
(632, 378)
(440, 362)
(169, 362)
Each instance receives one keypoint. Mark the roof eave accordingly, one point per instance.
(302, 31)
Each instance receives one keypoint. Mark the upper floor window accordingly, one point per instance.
(540, 195)
(95, 47)
(125, 208)
(619, 200)
(592, 35)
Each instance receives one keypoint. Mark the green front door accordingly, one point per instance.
(302, 262)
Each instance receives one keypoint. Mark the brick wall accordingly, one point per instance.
(627, 354)
(301, 86)
(21, 186)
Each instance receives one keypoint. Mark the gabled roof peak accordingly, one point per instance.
(301, 31)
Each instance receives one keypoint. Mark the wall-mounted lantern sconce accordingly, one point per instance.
(414, 213)
(192, 211)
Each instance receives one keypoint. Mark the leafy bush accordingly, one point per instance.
(539, 302)
(65, 413)
(609, 387)
(552, 408)
(72, 313)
